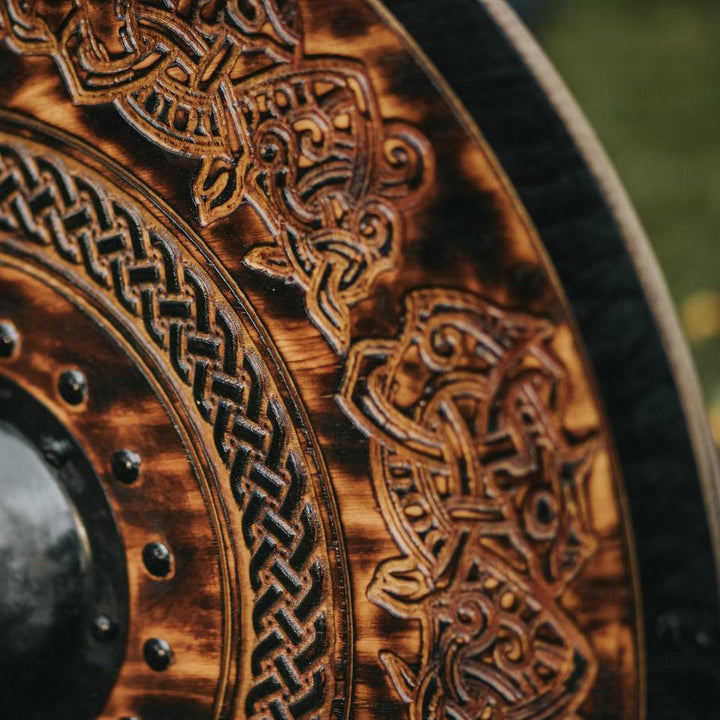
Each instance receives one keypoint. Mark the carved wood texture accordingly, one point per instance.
(485, 495)
(141, 269)
(300, 138)
(480, 474)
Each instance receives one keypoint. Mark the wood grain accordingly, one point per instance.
(344, 325)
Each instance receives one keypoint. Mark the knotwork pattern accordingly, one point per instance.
(484, 490)
(227, 82)
(481, 484)
(140, 269)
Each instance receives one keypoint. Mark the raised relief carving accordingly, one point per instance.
(484, 491)
(227, 82)
(139, 268)
(481, 483)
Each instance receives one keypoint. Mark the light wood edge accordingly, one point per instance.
(639, 248)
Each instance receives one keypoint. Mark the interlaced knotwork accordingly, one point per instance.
(82, 226)
(299, 137)
(485, 490)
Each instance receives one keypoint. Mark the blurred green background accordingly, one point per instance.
(647, 75)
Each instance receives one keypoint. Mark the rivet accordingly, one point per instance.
(56, 452)
(104, 628)
(158, 654)
(157, 559)
(126, 466)
(73, 387)
(9, 339)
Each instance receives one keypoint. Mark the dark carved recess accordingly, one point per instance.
(581, 235)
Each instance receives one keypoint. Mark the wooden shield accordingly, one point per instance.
(337, 378)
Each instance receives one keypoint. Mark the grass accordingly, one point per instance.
(647, 74)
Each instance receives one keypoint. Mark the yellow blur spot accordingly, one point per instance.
(714, 418)
(701, 315)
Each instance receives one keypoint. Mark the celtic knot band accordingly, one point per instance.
(226, 82)
(140, 270)
(484, 491)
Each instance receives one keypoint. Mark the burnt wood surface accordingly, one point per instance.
(365, 376)
(586, 245)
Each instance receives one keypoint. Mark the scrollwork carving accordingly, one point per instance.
(228, 84)
(484, 490)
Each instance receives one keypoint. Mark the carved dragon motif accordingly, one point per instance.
(484, 491)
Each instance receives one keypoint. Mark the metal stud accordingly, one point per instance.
(56, 452)
(104, 628)
(9, 340)
(158, 654)
(157, 559)
(126, 466)
(73, 387)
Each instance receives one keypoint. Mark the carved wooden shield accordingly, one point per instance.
(336, 378)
